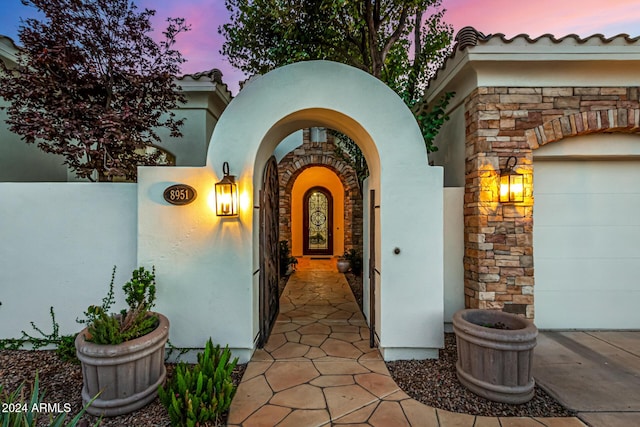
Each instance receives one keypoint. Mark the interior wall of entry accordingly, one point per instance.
(309, 178)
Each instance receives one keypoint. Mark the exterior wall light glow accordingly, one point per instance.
(511, 183)
(227, 194)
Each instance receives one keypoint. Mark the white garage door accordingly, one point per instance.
(586, 238)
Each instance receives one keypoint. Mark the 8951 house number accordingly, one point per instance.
(180, 194)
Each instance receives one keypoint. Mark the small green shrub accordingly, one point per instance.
(173, 352)
(202, 392)
(430, 122)
(66, 348)
(355, 259)
(65, 344)
(20, 413)
(285, 258)
(110, 328)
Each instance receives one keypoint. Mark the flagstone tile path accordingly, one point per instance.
(317, 368)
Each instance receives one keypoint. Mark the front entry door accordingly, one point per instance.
(318, 222)
(269, 271)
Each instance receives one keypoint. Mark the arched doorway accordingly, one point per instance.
(306, 166)
(317, 228)
(211, 265)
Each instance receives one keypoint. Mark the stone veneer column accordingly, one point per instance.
(502, 122)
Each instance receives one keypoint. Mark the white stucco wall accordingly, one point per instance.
(453, 251)
(451, 145)
(288, 144)
(205, 103)
(453, 232)
(204, 275)
(59, 243)
(21, 162)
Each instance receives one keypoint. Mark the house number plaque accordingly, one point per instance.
(180, 194)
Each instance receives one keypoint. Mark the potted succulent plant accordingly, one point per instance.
(122, 354)
(495, 354)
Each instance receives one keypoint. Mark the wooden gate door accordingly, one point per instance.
(372, 268)
(269, 245)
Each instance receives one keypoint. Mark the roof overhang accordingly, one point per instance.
(495, 61)
(8, 49)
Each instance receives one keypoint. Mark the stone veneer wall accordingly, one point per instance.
(510, 121)
(321, 154)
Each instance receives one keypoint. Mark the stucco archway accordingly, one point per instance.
(321, 93)
(210, 265)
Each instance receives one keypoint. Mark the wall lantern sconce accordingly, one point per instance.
(227, 194)
(511, 183)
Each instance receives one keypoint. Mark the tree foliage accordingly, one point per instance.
(92, 86)
(401, 42)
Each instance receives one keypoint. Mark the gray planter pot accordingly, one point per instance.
(343, 265)
(127, 374)
(495, 363)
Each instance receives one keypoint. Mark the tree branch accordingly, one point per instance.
(395, 36)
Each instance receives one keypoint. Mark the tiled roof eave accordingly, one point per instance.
(210, 80)
(545, 56)
(597, 38)
(8, 48)
(474, 46)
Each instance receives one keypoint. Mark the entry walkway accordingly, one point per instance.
(317, 369)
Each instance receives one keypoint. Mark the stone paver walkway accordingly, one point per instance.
(317, 369)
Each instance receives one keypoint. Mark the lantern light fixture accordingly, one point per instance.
(227, 194)
(511, 183)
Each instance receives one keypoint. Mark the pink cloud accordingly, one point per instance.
(202, 44)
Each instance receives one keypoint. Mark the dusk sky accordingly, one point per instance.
(202, 44)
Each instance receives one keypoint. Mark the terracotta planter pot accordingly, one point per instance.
(495, 363)
(128, 374)
(343, 265)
